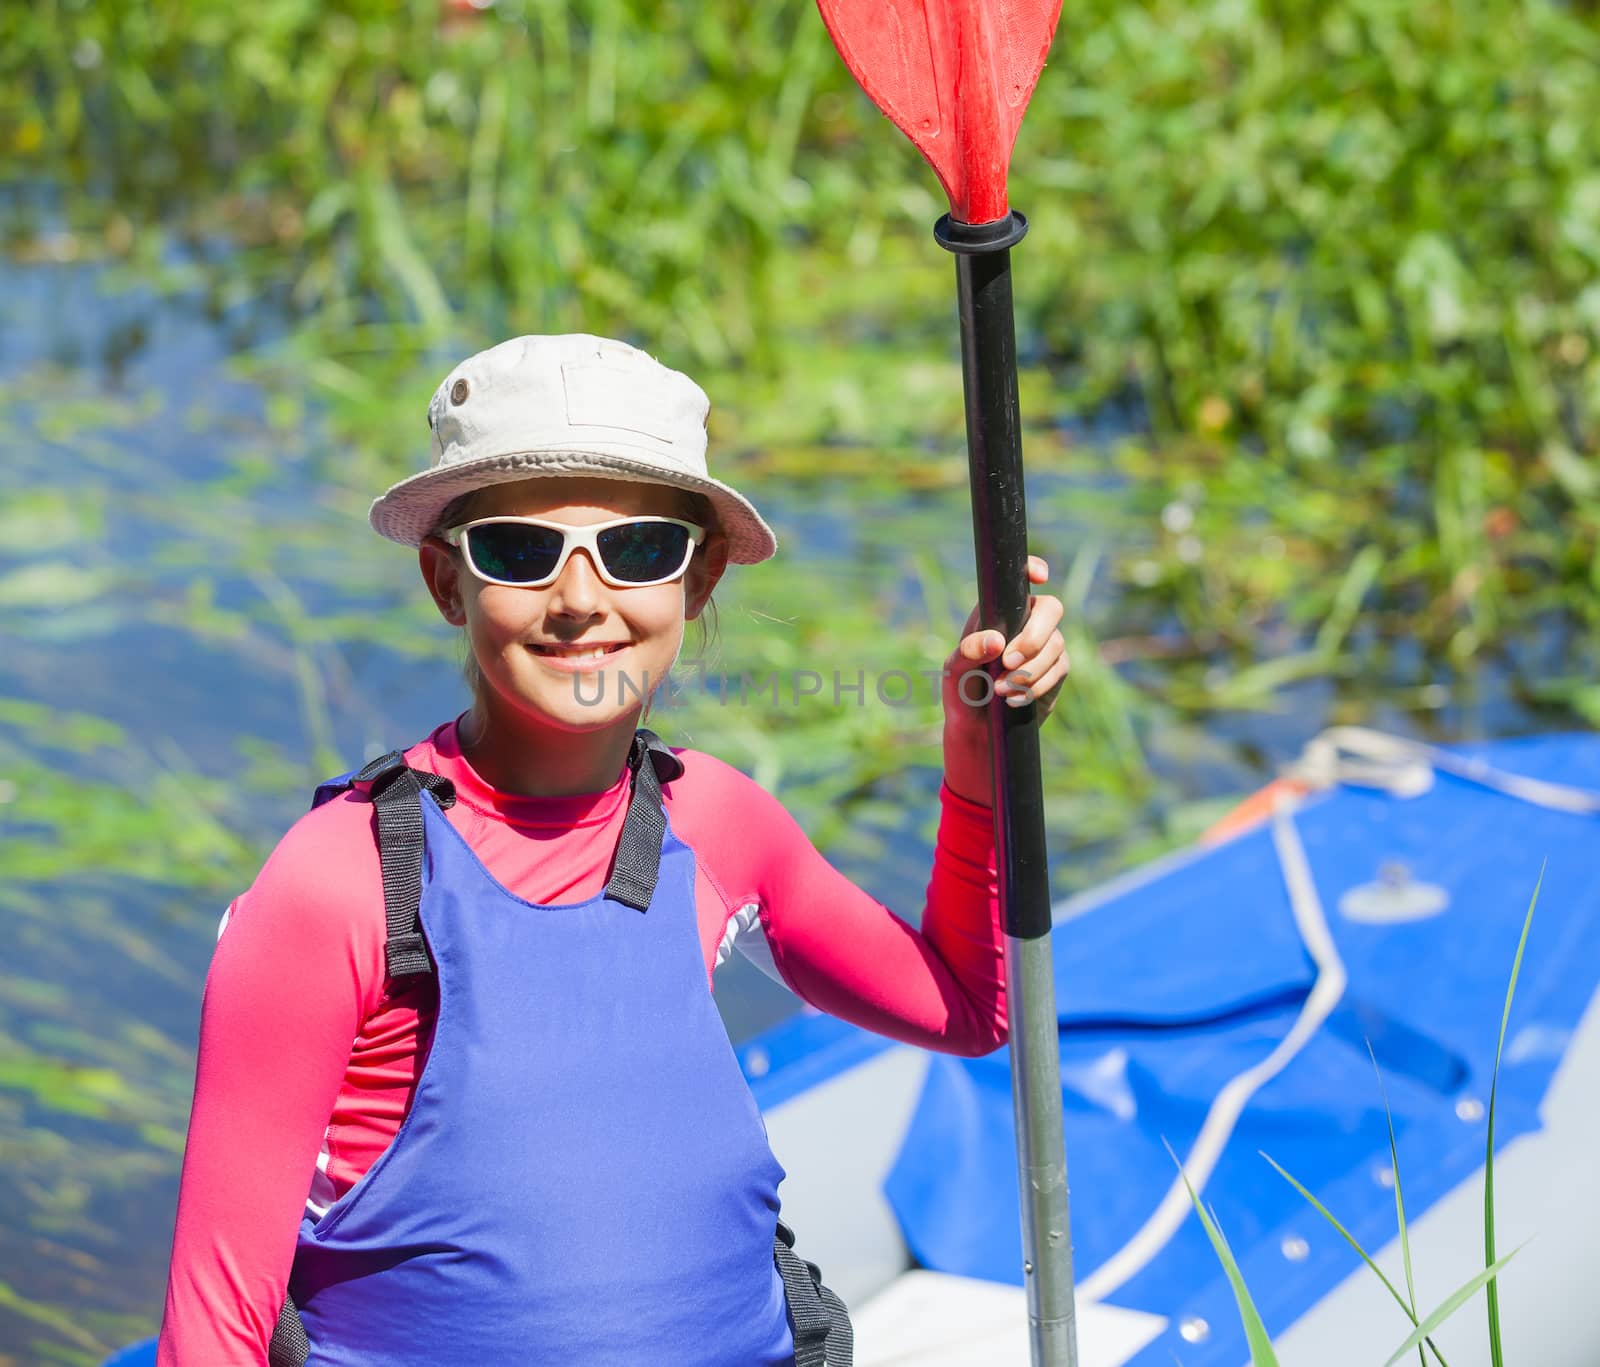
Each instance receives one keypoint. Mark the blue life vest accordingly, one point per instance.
(583, 1176)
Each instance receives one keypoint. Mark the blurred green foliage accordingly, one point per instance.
(1336, 264)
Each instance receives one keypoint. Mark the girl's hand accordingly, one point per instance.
(1036, 666)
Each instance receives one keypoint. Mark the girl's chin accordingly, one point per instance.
(560, 711)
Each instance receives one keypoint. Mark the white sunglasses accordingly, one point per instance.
(529, 552)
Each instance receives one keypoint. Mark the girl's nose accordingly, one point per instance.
(577, 591)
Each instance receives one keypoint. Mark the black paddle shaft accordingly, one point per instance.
(1000, 533)
(1000, 530)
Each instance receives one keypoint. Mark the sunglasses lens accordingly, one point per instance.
(639, 552)
(516, 554)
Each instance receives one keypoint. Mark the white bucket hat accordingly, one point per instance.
(566, 405)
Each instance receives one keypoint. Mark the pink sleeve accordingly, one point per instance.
(288, 988)
(942, 987)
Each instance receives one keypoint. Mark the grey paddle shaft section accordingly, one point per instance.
(1000, 531)
(1041, 1152)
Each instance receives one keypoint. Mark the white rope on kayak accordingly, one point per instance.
(1374, 759)
(1360, 757)
(1229, 1103)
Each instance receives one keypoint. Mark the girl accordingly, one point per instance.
(462, 1093)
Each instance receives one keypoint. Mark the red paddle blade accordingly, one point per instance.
(954, 76)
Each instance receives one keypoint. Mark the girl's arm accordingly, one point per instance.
(284, 998)
(942, 987)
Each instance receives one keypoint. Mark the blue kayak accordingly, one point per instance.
(1223, 1004)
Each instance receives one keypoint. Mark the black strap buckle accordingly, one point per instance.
(406, 954)
(823, 1335)
(666, 764)
(380, 772)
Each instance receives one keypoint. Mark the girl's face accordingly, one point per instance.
(517, 634)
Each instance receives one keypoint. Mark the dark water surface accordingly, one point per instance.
(193, 628)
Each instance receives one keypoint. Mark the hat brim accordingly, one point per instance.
(411, 508)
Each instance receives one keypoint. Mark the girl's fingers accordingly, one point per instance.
(1044, 616)
(982, 645)
(1036, 679)
(1039, 674)
(1036, 658)
(1044, 612)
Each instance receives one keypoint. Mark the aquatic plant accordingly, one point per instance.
(1262, 1353)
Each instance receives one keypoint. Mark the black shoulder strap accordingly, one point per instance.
(289, 1347)
(638, 861)
(822, 1333)
(397, 790)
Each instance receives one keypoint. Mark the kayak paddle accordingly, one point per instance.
(955, 77)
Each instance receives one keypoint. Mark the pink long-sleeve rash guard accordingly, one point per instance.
(308, 1061)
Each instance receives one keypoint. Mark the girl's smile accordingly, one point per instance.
(583, 658)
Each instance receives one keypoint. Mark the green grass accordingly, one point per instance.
(1493, 1292)
(1255, 1332)
(1486, 1279)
